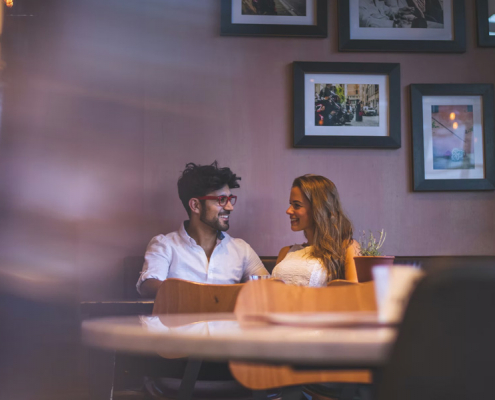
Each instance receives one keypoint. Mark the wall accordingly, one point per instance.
(107, 101)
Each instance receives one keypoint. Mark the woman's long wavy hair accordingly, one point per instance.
(333, 230)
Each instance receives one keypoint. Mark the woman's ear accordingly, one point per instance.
(195, 205)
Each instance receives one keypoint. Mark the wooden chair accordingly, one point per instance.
(176, 296)
(272, 296)
(179, 296)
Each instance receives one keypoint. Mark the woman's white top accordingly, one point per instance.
(299, 268)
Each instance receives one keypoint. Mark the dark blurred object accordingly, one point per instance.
(39, 335)
(445, 347)
(437, 263)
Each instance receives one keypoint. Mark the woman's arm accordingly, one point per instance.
(283, 252)
(350, 266)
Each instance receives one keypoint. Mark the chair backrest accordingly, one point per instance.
(446, 343)
(273, 296)
(178, 296)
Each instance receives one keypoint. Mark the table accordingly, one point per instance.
(223, 337)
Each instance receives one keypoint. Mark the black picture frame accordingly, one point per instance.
(457, 45)
(485, 92)
(484, 38)
(228, 28)
(390, 71)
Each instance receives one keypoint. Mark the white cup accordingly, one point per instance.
(393, 287)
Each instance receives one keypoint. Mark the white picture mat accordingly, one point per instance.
(309, 104)
(358, 33)
(479, 171)
(309, 19)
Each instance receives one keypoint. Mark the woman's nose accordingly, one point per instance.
(290, 210)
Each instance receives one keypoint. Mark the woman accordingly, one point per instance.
(329, 252)
(359, 115)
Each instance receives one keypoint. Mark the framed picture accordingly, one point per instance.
(402, 25)
(453, 137)
(274, 18)
(346, 105)
(486, 22)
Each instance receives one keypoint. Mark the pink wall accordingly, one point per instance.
(111, 99)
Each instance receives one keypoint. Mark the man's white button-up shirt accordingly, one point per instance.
(177, 255)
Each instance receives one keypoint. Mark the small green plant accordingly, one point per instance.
(370, 246)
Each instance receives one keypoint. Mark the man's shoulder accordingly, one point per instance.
(165, 238)
(235, 241)
(239, 244)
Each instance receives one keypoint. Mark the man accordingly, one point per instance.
(327, 92)
(326, 107)
(376, 14)
(200, 250)
(428, 13)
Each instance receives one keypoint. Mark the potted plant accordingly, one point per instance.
(370, 255)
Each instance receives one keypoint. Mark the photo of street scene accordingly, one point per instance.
(452, 137)
(346, 105)
(401, 14)
(274, 7)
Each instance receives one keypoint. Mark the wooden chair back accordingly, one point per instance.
(177, 296)
(272, 296)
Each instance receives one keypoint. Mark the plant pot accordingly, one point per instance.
(364, 265)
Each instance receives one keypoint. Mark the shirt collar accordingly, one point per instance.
(185, 236)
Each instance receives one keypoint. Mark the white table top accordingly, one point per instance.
(223, 337)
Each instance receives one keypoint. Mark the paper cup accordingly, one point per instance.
(393, 287)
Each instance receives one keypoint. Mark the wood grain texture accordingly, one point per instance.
(272, 296)
(177, 296)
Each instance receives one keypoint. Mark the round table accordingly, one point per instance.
(224, 337)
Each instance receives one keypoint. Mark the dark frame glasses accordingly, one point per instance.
(222, 200)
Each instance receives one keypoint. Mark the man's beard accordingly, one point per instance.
(215, 223)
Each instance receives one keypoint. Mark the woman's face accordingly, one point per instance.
(299, 211)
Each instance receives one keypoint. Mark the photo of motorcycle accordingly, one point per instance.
(331, 112)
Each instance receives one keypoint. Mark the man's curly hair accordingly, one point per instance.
(199, 180)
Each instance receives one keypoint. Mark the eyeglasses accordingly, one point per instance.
(222, 200)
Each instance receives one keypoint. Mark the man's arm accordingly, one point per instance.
(155, 268)
(149, 288)
(253, 265)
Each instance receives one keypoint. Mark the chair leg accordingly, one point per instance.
(189, 379)
(292, 393)
(260, 395)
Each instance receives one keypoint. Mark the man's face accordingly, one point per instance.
(214, 215)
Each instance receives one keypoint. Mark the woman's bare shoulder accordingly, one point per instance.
(282, 253)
